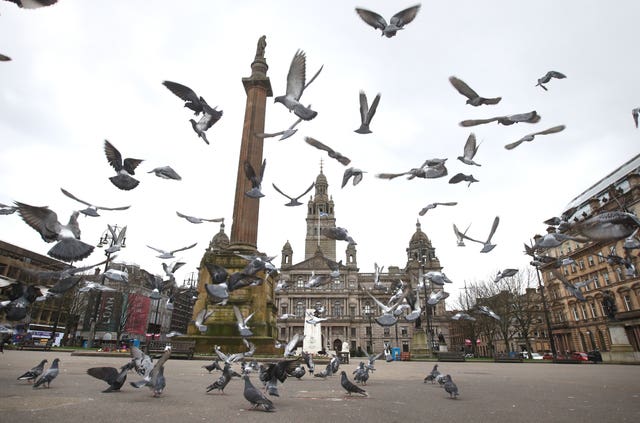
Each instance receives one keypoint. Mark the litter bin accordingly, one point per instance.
(85, 344)
(136, 343)
(395, 353)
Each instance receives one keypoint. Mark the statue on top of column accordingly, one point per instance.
(262, 43)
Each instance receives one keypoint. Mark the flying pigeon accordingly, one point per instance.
(352, 172)
(298, 372)
(164, 254)
(192, 101)
(293, 201)
(337, 233)
(436, 296)
(256, 179)
(366, 112)
(111, 375)
(140, 361)
(530, 137)
(292, 344)
(547, 77)
(460, 235)
(333, 154)
(117, 275)
(439, 278)
(4, 209)
(635, 112)
(91, 210)
(117, 239)
(49, 375)
(470, 150)
(487, 312)
(530, 117)
(430, 169)
(428, 207)
(460, 177)
(506, 273)
(156, 380)
(4, 58)
(90, 286)
(290, 131)
(551, 240)
(166, 172)
(33, 4)
(314, 320)
(213, 366)
(397, 22)
(316, 281)
(20, 298)
(202, 317)
(463, 316)
(170, 269)
(571, 288)
(125, 168)
(68, 246)
(387, 318)
(607, 226)
(351, 387)
(450, 387)
(472, 97)
(296, 86)
(242, 322)
(33, 374)
(487, 245)
(255, 397)
(197, 220)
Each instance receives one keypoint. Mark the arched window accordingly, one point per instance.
(337, 309)
(300, 309)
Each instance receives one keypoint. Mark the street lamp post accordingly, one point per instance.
(545, 309)
(367, 312)
(427, 306)
(108, 238)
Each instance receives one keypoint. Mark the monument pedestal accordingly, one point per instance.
(621, 349)
(312, 342)
(419, 344)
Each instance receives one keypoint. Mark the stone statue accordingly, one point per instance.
(262, 43)
(609, 305)
(345, 346)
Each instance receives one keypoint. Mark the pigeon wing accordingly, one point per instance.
(364, 107)
(185, 248)
(42, 219)
(475, 122)
(463, 88)
(108, 374)
(372, 109)
(296, 76)
(182, 91)
(405, 16)
(130, 165)
(319, 145)
(372, 18)
(496, 221)
(470, 147)
(552, 130)
(73, 197)
(113, 155)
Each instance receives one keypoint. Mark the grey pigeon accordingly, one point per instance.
(4, 209)
(292, 344)
(529, 117)
(223, 380)
(140, 361)
(255, 179)
(428, 207)
(607, 226)
(551, 240)
(290, 131)
(33, 4)
(506, 273)
(68, 246)
(431, 377)
(294, 201)
(547, 77)
(166, 172)
(337, 233)
(460, 235)
(482, 309)
(430, 169)
(124, 168)
(255, 397)
(296, 86)
(198, 104)
(351, 387)
(436, 296)
(218, 294)
(571, 288)
(202, 317)
(367, 113)
(111, 375)
(530, 137)
(298, 372)
(4, 58)
(472, 97)
(470, 150)
(397, 22)
(33, 374)
(635, 112)
(164, 254)
(94, 286)
(91, 210)
(197, 220)
(461, 177)
(241, 322)
(450, 387)
(439, 278)
(487, 245)
(354, 173)
(461, 315)
(156, 380)
(308, 360)
(21, 296)
(333, 154)
(49, 375)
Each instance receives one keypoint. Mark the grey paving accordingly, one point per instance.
(489, 392)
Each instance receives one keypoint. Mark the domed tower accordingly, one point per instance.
(320, 214)
(287, 256)
(220, 241)
(421, 253)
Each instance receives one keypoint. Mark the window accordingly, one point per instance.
(337, 284)
(337, 309)
(581, 264)
(300, 282)
(583, 307)
(353, 333)
(352, 310)
(403, 331)
(600, 258)
(619, 276)
(627, 302)
(367, 308)
(574, 310)
(596, 281)
(386, 331)
(284, 308)
(605, 276)
(590, 261)
(300, 309)
(368, 330)
(283, 333)
(592, 306)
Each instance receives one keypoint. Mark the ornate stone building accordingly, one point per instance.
(350, 310)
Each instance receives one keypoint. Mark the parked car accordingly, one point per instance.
(536, 356)
(581, 356)
(595, 356)
(547, 356)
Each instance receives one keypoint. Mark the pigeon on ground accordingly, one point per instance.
(255, 397)
(255, 178)
(472, 97)
(437, 296)
(530, 137)
(530, 117)
(547, 77)
(49, 375)
(198, 220)
(168, 254)
(430, 169)
(352, 172)
(192, 101)
(366, 113)
(166, 172)
(241, 322)
(4, 209)
(140, 361)
(461, 315)
(111, 375)
(68, 246)
(338, 233)
(91, 210)
(361, 374)
(293, 201)
(33, 374)
(333, 154)
(470, 150)
(428, 207)
(308, 360)
(460, 235)
(298, 372)
(506, 273)
(125, 168)
(397, 22)
(431, 377)
(156, 380)
(460, 177)
(635, 112)
(487, 312)
(450, 387)
(296, 86)
(487, 245)
(351, 387)
(290, 131)
(223, 380)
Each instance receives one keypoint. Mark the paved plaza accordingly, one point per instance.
(489, 392)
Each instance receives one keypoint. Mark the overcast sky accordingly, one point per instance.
(86, 71)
